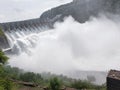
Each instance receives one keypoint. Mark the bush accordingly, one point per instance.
(5, 84)
(3, 58)
(82, 85)
(27, 77)
(30, 77)
(55, 84)
(1, 88)
(78, 84)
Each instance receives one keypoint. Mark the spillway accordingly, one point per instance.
(80, 10)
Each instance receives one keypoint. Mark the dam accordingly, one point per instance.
(77, 46)
(86, 8)
(26, 26)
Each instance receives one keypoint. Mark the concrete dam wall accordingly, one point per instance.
(11, 27)
(32, 25)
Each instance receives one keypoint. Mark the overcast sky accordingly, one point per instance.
(15, 10)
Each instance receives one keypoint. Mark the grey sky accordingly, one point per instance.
(14, 10)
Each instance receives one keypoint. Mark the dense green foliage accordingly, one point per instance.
(5, 83)
(55, 84)
(17, 74)
(52, 81)
(10, 74)
(30, 77)
(3, 58)
(78, 84)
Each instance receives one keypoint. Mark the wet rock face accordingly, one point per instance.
(81, 10)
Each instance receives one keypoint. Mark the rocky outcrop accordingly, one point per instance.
(113, 80)
(81, 10)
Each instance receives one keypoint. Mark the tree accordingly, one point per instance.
(30, 77)
(5, 83)
(78, 84)
(3, 58)
(27, 77)
(55, 84)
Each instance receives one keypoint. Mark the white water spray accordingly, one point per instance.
(71, 46)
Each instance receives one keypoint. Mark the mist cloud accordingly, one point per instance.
(94, 45)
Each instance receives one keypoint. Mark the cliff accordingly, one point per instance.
(81, 10)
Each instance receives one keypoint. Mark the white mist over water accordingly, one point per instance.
(71, 46)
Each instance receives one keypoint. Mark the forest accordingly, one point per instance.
(13, 78)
